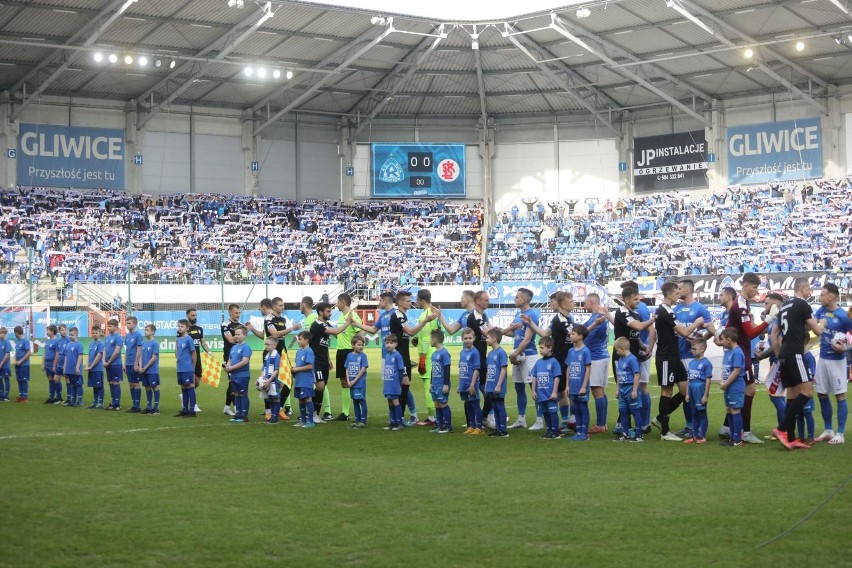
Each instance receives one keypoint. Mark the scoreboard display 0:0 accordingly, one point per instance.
(419, 170)
(420, 162)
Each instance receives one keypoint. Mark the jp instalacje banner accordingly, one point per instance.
(670, 161)
(418, 170)
(775, 151)
(70, 156)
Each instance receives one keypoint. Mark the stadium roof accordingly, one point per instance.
(598, 57)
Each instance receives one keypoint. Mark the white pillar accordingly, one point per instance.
(717, 143)
(625, 154)
(346, 156)
(832, 139)
(133, 146)
(8, 140)
(251, 180)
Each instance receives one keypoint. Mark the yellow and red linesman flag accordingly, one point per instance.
(285, 371)
(211, 369)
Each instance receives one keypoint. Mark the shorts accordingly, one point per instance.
(132, 375)
(340, 363)
(563, 378)
(696, 393)
(734, 399)
(645, 372)
(466, 396)
(495, 396)
(304, 392)
(438, 396)
(151, 380)
(831, 377)
(521, 373)
(75, 380)
(793, 371)
(95, 379)
(391, 397)
(321, 375)
(238, 386)
(185, 378)
(274, 390)
(599, 376)
(114, 374)
(48, 373)
(670, 372)
(358, 393)
(577, 399)
(547, 406)
(22, 372)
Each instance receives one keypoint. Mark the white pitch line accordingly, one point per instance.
(128, 431)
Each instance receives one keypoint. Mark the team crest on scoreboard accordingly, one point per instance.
(391, 171)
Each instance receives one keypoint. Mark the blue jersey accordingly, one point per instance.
(546, 372)
(239, 351)
(734, 359)
(383, 324)
(50, 353)
(22, 347)
(6, 348)
(304, 379)
(838, 321)
(496, 361)
(644, 315)
(132, 341)
(810, 364)
(271, 363)
(700, 370)
(686, 316)
(184, 348)
(393, 373)
(151, 350)
(578, 361)
(61, 346)
(626, 369)
(73, 352)
(520, 333)
(598, 337)
(468, 363)
(354, 363)
(96, 348)
(440, 370)
(112, 344)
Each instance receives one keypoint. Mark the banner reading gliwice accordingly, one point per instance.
(775, 151)
(70, 156)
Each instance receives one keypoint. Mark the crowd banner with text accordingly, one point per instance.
(70, 156)
(775, 151)
(670, 161)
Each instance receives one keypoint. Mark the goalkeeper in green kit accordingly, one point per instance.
(425, 350)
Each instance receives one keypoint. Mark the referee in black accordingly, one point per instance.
(789, 338)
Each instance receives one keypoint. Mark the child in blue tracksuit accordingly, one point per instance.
(496, 368)
(439, 388)
(238, 369)
(627, 375)
(356, 377)
(303, 380)
(73, 369)
(733, 383)
(394, 374)
(22, 364)
(545, 384)
(6, 354)
(95, 368)
(271, 379)
(579, 365)
(698, 392)
(469, 365)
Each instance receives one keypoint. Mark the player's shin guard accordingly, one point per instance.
(156, 398)
(746, 412)
(136, 396)
(326, 400)
(149, 396)
(664, 409)
(601, 406)
(275, 406)
(842, 415)
(318, 397)
(345, 402)
(827, 412)
(190, 392)
(309, 410)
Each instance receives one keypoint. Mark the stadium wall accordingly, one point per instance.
(204, 149)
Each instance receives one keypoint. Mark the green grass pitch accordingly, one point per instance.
(83, 487)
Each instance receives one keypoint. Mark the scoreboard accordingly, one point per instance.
(418, 170)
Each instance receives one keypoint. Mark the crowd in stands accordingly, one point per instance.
(197, 238)
(769, 228)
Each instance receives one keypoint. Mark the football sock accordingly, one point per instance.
(409, 400)
(746, 412)
(326, 400)
(800, 422)
(521, 391)
(664, 410)
(191, 397)
(302, 412)
(780, 407)
(275, 406)
(184, 399)
(136, 395)
(842, 415)
(809, 422)
(309, 412)
(704, 422)
(430, 404)
(288, 403)
(118, 394)
(675, 401)
(695, 423)
(547, 421)
(317, 400)
(584, 418)
(467, 414)
(7, 386)
(99, 395)
(229, 395)
(23, 391)
(687, 414)
(828, 412)
(58, 390)
(157, 398)
(646, 408)
(399, 413)
(564, 412)
(736, 427)
(487, 407)
(149, 396)
(363, 402)
(794, 408)
(346, 402)
(267, 404)
(601, 406)
(246, 404)
(477, 414)
(448, 418)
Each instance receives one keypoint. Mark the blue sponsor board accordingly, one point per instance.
(775, 151)
(418, 170)
(70, 156)
(504, 292)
